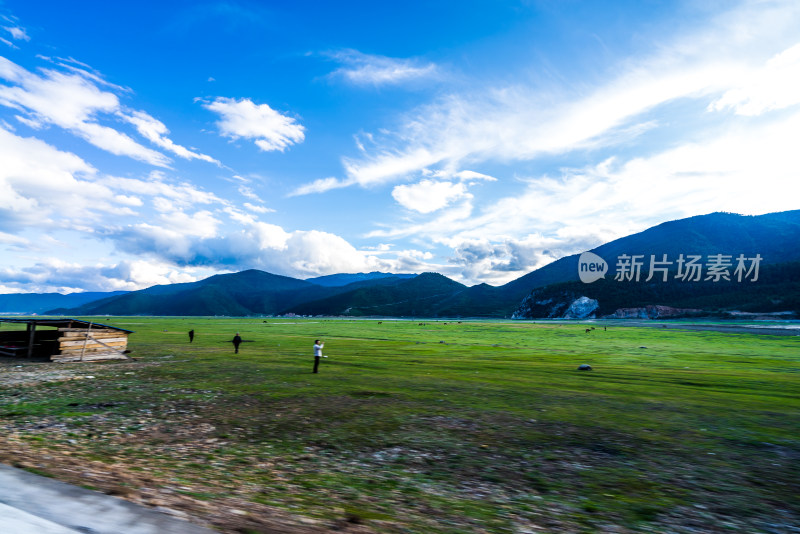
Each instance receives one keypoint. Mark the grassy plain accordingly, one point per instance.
(442, 427)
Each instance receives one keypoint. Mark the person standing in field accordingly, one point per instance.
(237, 340)
(191, 336)
(317, 353)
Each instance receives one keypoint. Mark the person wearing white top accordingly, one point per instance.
(317, 353)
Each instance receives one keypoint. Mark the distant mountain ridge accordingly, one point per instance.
(405, 297)
(36, 303)
(774, 236)
(245, 293)
(777, 290)
(338, 280)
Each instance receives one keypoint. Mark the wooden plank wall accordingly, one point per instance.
(73, 344)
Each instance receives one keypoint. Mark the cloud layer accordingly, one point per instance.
(269, 129)
(75, 102)
(482, 174)
(373, 70)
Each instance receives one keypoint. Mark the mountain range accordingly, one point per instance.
(36, 303)
(773, 237)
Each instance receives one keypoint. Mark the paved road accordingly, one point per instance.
(32, 504)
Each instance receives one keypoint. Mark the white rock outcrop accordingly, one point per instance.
(581, 308)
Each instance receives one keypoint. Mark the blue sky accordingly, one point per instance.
(147, 143)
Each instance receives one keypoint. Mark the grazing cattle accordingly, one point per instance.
(588, 330)
(380, 322)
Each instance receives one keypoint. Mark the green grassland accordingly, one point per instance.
(447, 426)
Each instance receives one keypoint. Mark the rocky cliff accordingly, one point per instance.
(565, 305)
(568, 305)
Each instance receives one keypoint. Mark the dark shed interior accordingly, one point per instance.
(62, 339)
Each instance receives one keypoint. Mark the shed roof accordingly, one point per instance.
(63, 322)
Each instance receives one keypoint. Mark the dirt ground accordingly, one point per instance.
(228, 515)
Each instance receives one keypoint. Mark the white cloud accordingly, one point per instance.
(513, 124)
(366, 69)
(260, 245)
(155, 131)
(244, 119)
(750, 170)
(428, 196)
(85, 71)
(248, 192)
(775, 86)
(44, 189)
(240, 216)
(747, 60)
(315, 251)
(10, 239)
(472, 175)
(498, 262)
(17, 33)
(119, 144)
(257, 209)
(380, 248)
(42, 186)
(33, 124)
(523, 122)
(455, 218)
(140, 274)
(54, 275)
(390, 164)
(464, 176)
(319, 186)
(180, 195)
(73, 103)
(200, 224)
(732, 151)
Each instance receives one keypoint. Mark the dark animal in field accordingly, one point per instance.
(584, 367)
(380, 322)
(588, 330)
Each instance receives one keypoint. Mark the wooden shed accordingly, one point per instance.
(64, 340)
